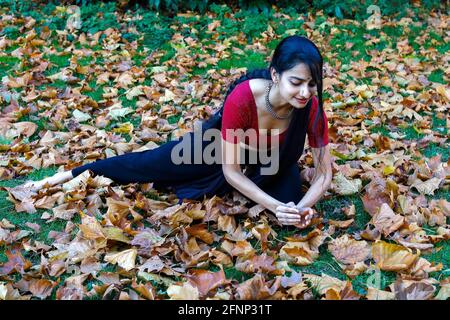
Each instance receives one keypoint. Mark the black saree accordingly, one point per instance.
(196, 181)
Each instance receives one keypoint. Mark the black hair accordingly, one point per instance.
(289, 52)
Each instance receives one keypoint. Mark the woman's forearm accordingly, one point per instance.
(248, 188)
(315, 192)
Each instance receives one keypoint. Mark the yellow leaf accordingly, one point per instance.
(114, 233)
(444, 292)
(91, 228)
(392, 257)
(125, 259)
(126, 128)
(184, 292)
(387, 170)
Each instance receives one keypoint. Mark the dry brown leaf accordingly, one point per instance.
(256, 288)
(125, 259)
(413, 290)
(392, 257)
(200, 231)
(349, 251)
(376, 294)
(386, 220)
(205, 281)
(41, 288)
(324, 282)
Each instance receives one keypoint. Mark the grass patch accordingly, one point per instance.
(60, 61)
(437, 76)
(433, 149)
(324, 264)
(250, 60)
(372, 278)
(381, 129)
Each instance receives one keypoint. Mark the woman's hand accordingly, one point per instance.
(289, 214)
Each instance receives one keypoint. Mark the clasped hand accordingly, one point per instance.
(289, 214)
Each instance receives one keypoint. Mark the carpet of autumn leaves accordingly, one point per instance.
(69, 97)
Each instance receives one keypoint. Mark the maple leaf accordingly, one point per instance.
(183, 292)
(349, 251)
(427, 187)
(257, 288)
(413, 290)
(386, 220)
(125, 259)
(324, 282)
(392, 257)
(41, 288)
(344, 186)
(263, 263)
(205, 281)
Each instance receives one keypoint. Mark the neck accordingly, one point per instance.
(280, 106)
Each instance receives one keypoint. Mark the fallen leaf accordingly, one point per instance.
(413, 290)
(386, 220)
(125, 259)
(344, 186)
(392, 257)
(183, 292)
(41, 288)
(349, 251)
(205, 280)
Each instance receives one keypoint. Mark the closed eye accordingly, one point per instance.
(311, 84)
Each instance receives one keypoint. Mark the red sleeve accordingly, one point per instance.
(315, 138)
(236, 114)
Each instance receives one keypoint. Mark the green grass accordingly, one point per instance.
(325, 263)
(60, 61)
(440, 254)
(434, 149)
(368, 278)
(381, 129)
(250, 60)
(437, 76)
(6, 64)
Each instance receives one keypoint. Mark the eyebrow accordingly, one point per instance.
(297, 78)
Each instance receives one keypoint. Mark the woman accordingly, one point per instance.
(281, 97)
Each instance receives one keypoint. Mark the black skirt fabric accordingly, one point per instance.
(196, 181)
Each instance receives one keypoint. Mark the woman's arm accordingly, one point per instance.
(238, 180)
(321, 180)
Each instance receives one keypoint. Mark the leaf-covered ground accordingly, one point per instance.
(126, 81)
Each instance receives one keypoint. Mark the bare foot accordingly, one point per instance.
(34, 185)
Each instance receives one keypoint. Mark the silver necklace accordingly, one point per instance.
(270, 107)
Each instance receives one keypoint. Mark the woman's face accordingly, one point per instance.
(297, 86)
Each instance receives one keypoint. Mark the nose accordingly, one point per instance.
(304, 92)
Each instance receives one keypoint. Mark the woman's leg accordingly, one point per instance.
(154, 165)
(57, 178)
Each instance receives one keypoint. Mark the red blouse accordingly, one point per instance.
(240, 112)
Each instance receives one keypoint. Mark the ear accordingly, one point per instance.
(274, 74)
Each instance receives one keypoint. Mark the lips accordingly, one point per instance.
(302, 101)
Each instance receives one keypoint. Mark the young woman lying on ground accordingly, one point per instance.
(281, 97)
